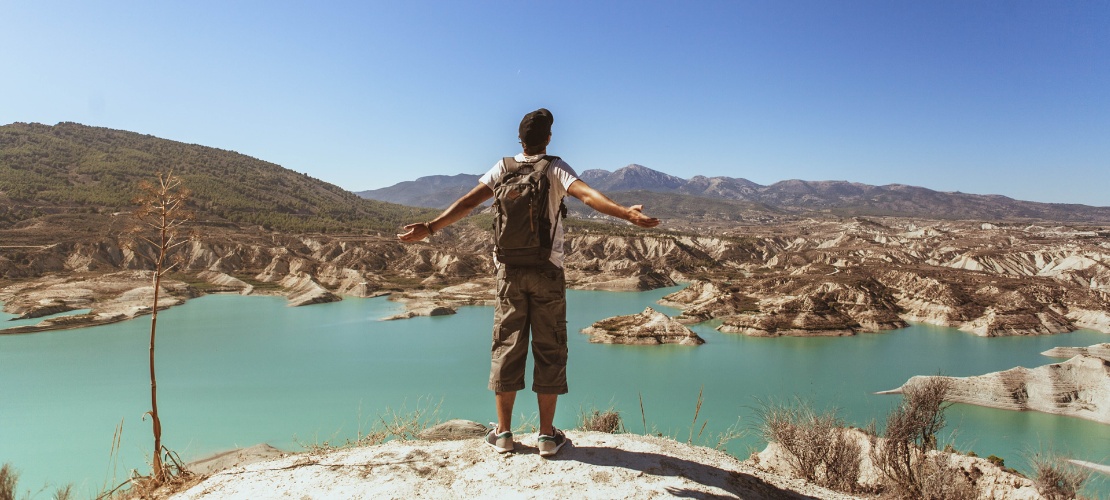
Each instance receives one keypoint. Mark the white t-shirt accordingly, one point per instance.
(561, 176)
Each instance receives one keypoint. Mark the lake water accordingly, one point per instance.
(236, 371)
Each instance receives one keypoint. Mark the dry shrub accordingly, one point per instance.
(911, 431)
(818, 448)
(608, 421)
(943, 481)
(8, 479)
(1055, 479)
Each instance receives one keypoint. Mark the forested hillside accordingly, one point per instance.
(73, 168)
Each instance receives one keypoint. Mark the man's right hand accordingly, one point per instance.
(414, 233)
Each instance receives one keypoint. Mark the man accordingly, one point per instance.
(530, 299)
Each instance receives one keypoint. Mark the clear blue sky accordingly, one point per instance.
(1007, 97)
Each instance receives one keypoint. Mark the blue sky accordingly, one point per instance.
(1007, 97)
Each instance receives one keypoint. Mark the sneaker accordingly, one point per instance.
(502, 442)
(550, 445)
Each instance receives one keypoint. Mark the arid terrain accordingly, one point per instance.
(795, 277)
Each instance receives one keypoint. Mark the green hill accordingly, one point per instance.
(73, 168)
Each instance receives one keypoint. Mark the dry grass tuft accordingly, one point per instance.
(608, 420)
(1056, 479)
(8, 479)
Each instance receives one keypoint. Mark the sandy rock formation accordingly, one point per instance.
(1090, 319)
(1097, 350)
(302, 290)
(227, 282)
(640, 279)
(816, 308)
(807, 316)
(1078, 387)
(109, 298)
(592, 466)
(650, 327)
(417, 308)
(704, 300)
(446, 300)
(454, 430)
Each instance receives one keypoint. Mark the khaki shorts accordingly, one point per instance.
(530, 299)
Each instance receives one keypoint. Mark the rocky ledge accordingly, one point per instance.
(1078, 387)
(647, 328)
(1097, 350)
(591, 465)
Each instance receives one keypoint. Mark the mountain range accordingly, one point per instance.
(721, 195)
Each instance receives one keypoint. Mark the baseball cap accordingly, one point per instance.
(536, 127)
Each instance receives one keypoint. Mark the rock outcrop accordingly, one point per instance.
(302, 290)
(1078, 387)
(705, 300)
(1097, 350)
(226, 282)
(650, 327)
(108, 297)
(824, 307)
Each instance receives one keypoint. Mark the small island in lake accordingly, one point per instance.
(650, 327)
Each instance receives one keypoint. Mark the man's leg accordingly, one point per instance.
(547, 412)
(505, 402)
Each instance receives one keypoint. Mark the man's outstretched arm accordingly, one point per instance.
(459, 209)
(597, 201)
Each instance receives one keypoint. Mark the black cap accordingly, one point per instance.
(536, 127)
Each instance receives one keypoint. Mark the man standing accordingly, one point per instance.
(531, 298)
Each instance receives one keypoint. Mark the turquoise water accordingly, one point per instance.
(236, 371)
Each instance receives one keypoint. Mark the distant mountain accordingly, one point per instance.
(634, 178)
(437, 191)
(789, 196)
(72, 168)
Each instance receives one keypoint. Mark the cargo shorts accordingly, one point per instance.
(530, 300)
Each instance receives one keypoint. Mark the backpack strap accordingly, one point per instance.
(510, 163)
(541, 166)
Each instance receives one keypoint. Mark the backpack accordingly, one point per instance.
(522, 232)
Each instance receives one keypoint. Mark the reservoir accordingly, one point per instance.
(237, 371)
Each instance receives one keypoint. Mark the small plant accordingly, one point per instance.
(997, 461)
(405, 425)
(608, 421)
(64, 493)
(391, 424)
(9, 477)
(697, 411)
(1054, 478)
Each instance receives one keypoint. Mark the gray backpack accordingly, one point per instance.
(522, 232)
